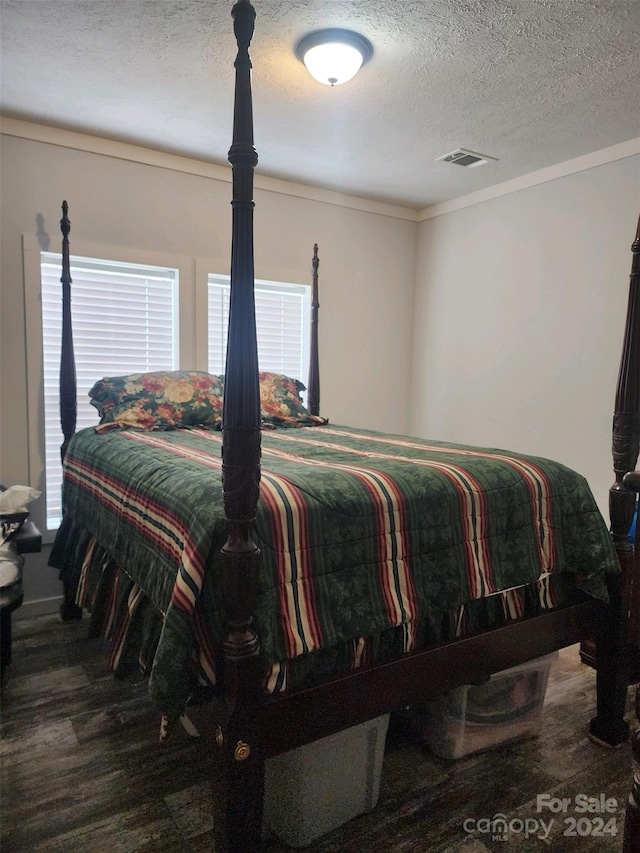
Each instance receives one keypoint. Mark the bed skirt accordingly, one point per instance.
(121, 612)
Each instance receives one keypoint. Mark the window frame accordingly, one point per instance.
(32, 249)
(302, 291)
(265, 272)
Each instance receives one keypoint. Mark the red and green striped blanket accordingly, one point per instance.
(362, 535)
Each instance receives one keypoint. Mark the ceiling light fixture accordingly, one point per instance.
(333, 56)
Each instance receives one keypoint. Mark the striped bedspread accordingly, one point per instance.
(359, 533)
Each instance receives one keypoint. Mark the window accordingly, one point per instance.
(125, 319)
(129, 316)
(282, 321)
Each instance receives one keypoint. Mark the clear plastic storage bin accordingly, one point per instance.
(317, 787)
(474, 718)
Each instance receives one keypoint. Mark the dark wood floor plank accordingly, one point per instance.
(36, 741)
(144, 828)
(82, 770)
(191, 809)
(469, 845)
(45, 686)
(604, 777)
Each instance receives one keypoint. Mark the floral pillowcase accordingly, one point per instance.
(281, 404)
(158, 400)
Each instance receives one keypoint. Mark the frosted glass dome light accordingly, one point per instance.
(333, 56)
(333, 63)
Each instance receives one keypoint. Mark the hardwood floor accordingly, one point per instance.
(81, 769)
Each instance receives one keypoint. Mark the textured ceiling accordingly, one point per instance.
(531, 82)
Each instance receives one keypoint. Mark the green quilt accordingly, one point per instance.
(359, 533)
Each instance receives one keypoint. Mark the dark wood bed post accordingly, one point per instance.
(69, 611)
(612, 643)
(68, 385)
(629, 441)
(314, 366)
(631, 843)
(241, 755)
(631, 356)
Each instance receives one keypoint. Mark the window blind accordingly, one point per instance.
(124, 321)
(282, 326)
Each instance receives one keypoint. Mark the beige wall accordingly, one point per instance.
(366, 272)
(518, 318)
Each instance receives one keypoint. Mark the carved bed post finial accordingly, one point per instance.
(68, 390)
(314, 367)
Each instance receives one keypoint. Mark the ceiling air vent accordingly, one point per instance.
(462, 157)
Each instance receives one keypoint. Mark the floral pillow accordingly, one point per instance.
(281, 404)
(158, 400)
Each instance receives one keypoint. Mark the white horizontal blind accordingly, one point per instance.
(218, 318)
(282, 325)
(124, 321)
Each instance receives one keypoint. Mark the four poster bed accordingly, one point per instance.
(355, 574)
